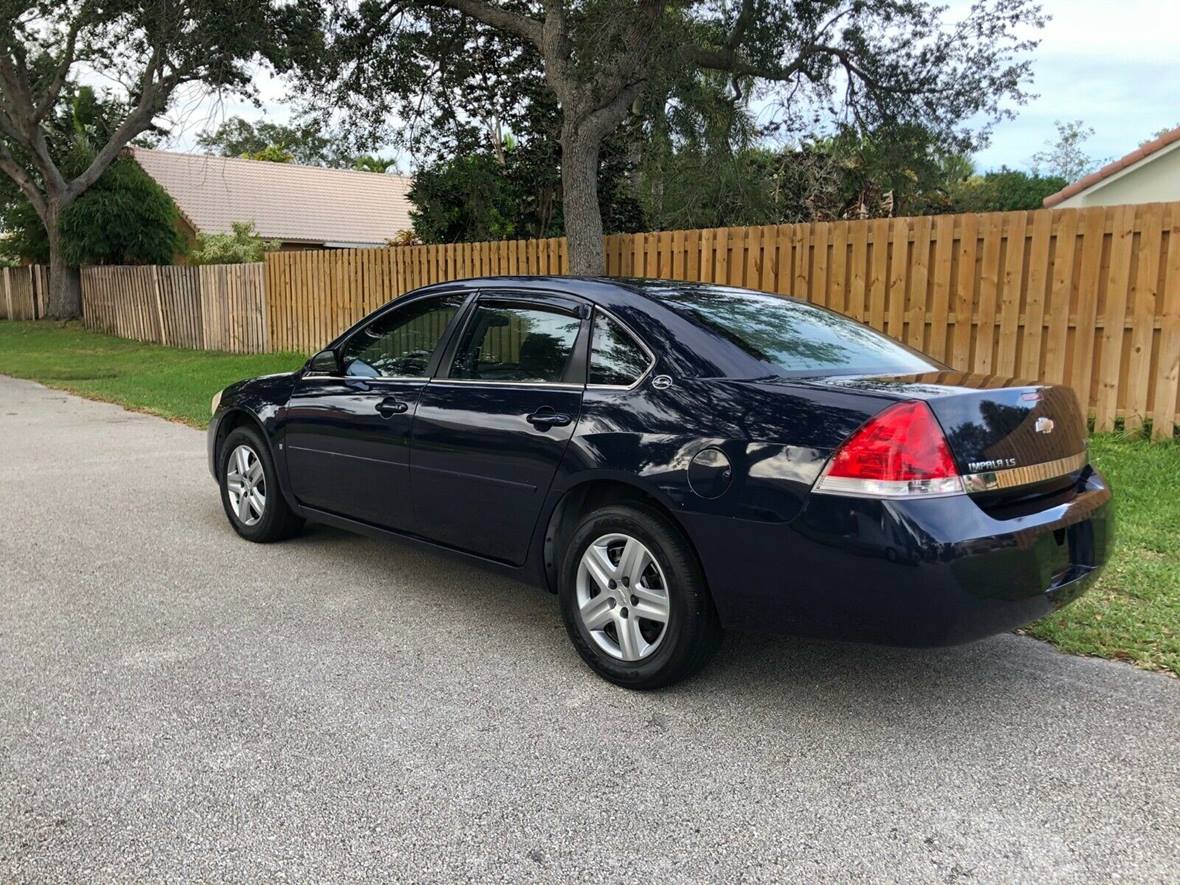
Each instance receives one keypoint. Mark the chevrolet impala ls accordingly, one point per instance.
(674, 458)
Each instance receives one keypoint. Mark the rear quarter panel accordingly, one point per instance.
(776, 439)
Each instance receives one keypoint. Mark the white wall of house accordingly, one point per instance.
(1154, 179)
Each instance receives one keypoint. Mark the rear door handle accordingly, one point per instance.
(545, 417)
(389, 407)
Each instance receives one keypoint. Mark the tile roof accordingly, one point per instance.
(1110, 169)
(301, 204)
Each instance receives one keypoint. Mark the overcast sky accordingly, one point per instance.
(1115, 64)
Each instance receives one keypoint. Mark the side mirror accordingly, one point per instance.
(324, 363)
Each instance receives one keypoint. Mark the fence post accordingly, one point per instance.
(159, 304)
(8, 291)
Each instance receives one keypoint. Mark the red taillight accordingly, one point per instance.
(900, 453)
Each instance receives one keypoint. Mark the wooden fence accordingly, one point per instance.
(23, 292)
(1084, 297)
(212, 307)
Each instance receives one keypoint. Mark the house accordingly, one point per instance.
(1149, 174)
(303, 207)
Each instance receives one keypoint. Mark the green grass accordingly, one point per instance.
(166, 381)
(1133, 613)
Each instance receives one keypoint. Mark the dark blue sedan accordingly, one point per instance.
(675, 458)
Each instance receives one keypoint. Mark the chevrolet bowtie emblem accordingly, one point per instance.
(1044, 425)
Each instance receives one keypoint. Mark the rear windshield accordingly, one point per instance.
(793, 337)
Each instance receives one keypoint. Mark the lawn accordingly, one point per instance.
(1133, 613)
(166, 381)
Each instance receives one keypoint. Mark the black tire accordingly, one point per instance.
(692, 632)
(277, 520)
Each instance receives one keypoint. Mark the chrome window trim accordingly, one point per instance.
(651, 358)
(478, 382)
(1011, 477)
(369, 378)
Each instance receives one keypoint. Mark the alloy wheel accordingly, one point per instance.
(245, 483)
(622, 597)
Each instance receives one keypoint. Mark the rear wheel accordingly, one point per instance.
(634, 600)
(250, 492)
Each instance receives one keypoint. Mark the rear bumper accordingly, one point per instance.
(934, 572)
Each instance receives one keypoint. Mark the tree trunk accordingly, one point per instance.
(65, 292)
(579, 191)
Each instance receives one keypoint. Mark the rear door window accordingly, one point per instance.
(616, 359)
(516, 343)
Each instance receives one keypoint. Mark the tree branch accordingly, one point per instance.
(152, 90)
(10, 167)
(740, 26)
(20, 110)
(53, 90)
(521, 25)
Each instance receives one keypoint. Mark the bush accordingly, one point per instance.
(243, 246)
(1006, 190)
(125, 218)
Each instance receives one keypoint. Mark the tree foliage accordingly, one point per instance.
(1065, 157)
(454, 64)
(1005, 190)
(303, 142)
(514, 193)
(124, 218)
(242, 246)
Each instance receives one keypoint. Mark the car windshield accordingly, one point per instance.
(793, 337)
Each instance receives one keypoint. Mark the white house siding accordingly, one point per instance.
(1154, 179)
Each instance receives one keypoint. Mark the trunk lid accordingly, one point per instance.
(1025, 433)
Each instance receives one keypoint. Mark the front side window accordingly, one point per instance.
(510, 343)
(615, 357)
(400, 343)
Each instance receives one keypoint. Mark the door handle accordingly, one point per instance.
(389, 407)
(545, 417)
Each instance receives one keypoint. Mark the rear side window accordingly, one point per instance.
(792, 337)
(616, 358)
(400, 343)
(511, 343)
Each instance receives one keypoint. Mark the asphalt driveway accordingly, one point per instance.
(177, 703)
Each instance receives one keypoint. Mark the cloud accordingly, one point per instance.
(1113, 65)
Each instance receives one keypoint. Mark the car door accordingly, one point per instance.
(347, 433)
(493, 424)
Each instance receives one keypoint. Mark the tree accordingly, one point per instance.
(303, 142)
(242, 246)
(1159, 133)
(1065, 157)
(1005, 190)
(894, 170)
(151, 48)
(466, 198)
(482, 194)
(869, 62)
(370, 163)
(124, 218)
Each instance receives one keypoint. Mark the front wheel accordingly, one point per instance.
(634, 600)
(250, 492)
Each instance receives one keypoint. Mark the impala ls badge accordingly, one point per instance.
(1044, 425)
